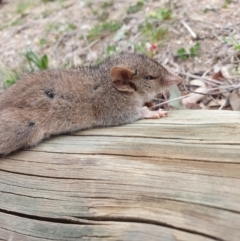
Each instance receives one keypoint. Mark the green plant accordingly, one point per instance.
(237, 47)
(102, 13)
(22, 7)
(3, 26)
(51, 26)
(161, 14)
(46, 1)
(183, 54)
(100, 30)
(107, 4)
(226, 2)
(231, 40)
(152, 31)
(103, 16)
(70, 27)
(135, 8)
(140, 47)
(11, 78)
(237, 70)
(33, 59)
(18, 21)
(194, 51)
(42, 41)
(111, 49)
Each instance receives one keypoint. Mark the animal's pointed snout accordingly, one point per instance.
(173, 79)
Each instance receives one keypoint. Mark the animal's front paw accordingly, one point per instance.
(148, 114)
(162, 113)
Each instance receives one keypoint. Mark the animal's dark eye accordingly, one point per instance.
(148, 77)
(49, 93)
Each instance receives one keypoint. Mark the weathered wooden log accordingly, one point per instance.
(176, 178)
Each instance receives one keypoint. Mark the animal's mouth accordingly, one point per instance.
(148, 104)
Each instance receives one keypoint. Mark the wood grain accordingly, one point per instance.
(176, 178)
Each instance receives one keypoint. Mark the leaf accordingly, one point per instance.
(194, 51)
(162, 14)
(44, 62)
(102, 29)
(182, 53)
(217, 103)
(31, 56)
(40, 63)
(135, 8)
(121, 33)
(175, 93)
(234, 99)
(195, 97)
(29, 59)
(9, 82)
(197, 82)
(111, 49)
(11, 78)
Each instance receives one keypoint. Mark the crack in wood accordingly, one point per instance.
(18, 233)
(150, 158)
(49, 219)
(79, 220)
(147, 221)
(134, 156)
(205, 142)
(49, 177)
(18, 194)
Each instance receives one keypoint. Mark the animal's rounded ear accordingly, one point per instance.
(121, 78)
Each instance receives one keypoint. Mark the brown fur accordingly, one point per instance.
(59, 101)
